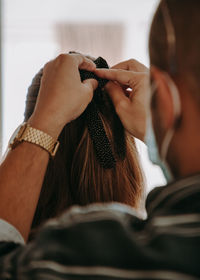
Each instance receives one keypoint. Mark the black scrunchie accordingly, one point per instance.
(96, 129)
(106, 156)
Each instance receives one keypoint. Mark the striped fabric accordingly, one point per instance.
(110, 242)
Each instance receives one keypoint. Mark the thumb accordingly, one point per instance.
(91, 84)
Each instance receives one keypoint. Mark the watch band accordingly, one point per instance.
(35, 136)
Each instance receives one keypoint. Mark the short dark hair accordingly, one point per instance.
(185, 16)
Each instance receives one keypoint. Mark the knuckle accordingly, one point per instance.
(63, 58)
(136, 65)
(132, 63)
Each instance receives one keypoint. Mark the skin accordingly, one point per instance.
(183, 153)
(129, 104)
(62, 98)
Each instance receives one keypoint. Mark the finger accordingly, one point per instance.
(117, 95)
(131, 64)
(84, 62)
(88, 65)
(77, 60)
(91, 83)
(121, 76)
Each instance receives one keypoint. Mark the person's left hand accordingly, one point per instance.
(62, 96)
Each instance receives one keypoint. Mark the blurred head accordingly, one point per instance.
(174, 46)
(75, 175)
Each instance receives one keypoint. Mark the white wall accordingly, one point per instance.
(29, 40)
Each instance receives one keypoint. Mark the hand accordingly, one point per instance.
(62, 96)
(129, 94)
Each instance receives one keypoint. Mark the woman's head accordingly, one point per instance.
(78, 173)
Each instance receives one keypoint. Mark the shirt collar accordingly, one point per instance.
(173, 193)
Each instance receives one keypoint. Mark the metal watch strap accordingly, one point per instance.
(40, 138)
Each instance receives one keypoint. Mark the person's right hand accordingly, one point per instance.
(130, 105)
(62, 96)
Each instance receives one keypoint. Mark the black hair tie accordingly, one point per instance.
(96, 129)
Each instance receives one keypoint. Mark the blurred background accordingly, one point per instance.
(35, 31)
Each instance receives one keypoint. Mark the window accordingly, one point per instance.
(35, 31)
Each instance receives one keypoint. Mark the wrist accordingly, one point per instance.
(46, 125)
(27, 133)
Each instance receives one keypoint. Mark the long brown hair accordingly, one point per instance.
(75, 175)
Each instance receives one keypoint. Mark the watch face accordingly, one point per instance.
(17, 134)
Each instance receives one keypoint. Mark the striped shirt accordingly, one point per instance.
(110, 242)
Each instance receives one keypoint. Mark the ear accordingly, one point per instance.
(162, 103)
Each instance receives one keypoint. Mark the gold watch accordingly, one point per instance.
(32, 135)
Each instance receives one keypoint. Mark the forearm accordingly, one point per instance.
(21, 177)
(62, 97)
